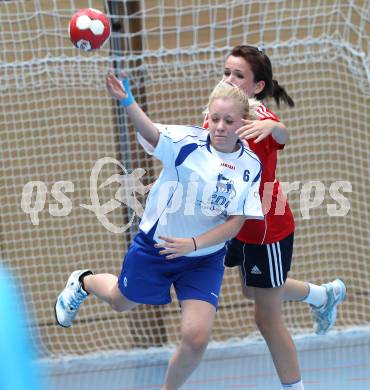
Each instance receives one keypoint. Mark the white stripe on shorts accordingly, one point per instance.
(280, 264)
(277, 262)
(275, 265)
(270, 266)
(244, 261)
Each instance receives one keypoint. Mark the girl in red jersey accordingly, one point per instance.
(263, 249)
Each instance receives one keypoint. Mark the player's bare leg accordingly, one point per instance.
(293, 290)
(323, 299)
(105, 287)
(196, 326)
(269, 320)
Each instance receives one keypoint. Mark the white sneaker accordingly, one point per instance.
(70, 299)
(325, 316)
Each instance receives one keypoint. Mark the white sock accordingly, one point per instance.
(316, 295)
(293, 386)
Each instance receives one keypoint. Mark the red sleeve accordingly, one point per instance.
(264, 113)
(274, 144)
(266, 146)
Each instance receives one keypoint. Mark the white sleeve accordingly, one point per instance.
(149, 148)
(252, 206)
(163, 150)
(248, 203)
(171, 139)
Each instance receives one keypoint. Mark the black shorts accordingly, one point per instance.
(264, 265)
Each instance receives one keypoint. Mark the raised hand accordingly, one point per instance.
(115, 87)
(255, 129)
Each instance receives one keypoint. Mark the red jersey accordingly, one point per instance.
(279, 221)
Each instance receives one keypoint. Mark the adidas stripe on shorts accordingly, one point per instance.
(264, 266)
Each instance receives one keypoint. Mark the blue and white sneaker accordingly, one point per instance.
(70, 299)
(325, 316)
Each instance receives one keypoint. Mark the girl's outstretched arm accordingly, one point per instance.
(121, 90)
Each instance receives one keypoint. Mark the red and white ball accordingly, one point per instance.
(89, 29)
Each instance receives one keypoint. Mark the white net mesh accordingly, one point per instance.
(57, 121)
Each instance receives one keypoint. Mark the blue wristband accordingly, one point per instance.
(129, 99)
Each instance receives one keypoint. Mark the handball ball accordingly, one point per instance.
(89, 29)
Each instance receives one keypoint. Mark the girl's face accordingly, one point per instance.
(225, 116)
(238, 72)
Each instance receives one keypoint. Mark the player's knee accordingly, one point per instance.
(196, 338)
(121, 304)
(267, 320)
(117, 306)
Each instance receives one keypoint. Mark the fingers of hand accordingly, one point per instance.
(110, 76)
(244, 129)
(167, 251)
(111, 81)
(168, 245)
(108, 79)
(252, 134)
(167, 239)
(172, 247)
(260, 138)
(170, 252)
(159, 245)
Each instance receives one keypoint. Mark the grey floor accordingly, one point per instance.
(339, 364)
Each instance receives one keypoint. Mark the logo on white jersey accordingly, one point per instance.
(225, 191)
(255, 270)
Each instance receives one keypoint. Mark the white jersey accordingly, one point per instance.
(199, 187)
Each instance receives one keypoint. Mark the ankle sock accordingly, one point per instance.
(316, 295)
(81, 280)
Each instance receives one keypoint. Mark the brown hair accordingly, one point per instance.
(262, 70)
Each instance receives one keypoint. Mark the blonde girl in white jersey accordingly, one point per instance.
(173, 247)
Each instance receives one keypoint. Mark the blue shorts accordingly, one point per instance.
(147, 277)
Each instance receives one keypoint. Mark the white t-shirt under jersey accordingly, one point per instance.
(199, 187)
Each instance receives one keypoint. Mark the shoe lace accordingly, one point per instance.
(76, 299)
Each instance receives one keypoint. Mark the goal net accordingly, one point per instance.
(65, 145)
